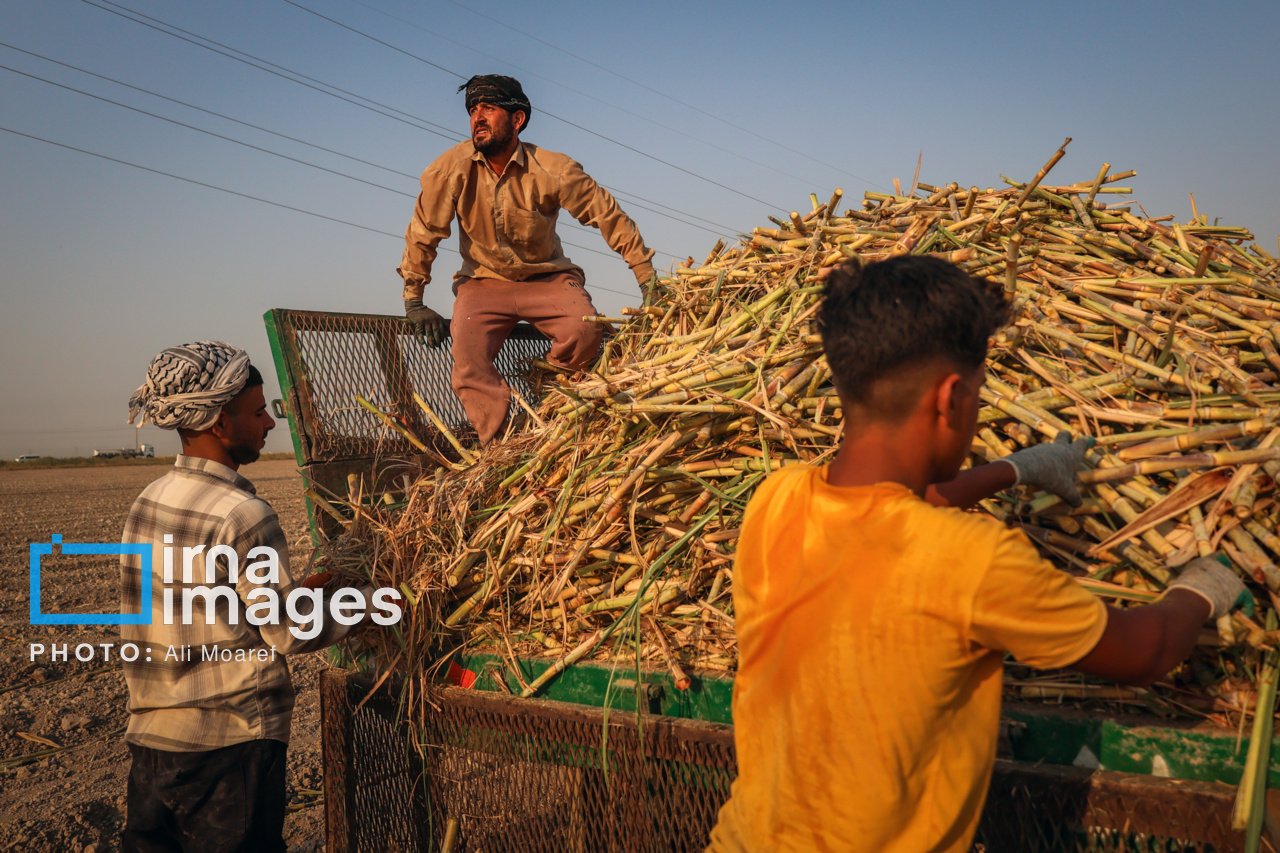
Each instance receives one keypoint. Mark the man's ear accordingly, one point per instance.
(950, 398)
(519, 118)
(219, 428)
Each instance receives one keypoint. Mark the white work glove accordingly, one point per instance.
(1215, 583)
(1052, 466)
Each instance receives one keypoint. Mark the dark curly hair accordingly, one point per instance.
(884, 319)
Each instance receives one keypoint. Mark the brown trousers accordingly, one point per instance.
(485, 312)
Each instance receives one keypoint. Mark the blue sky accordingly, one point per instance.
(752, 106)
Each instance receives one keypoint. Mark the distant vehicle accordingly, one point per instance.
(27, 457)
(144, 451)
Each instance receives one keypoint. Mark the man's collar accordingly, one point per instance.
(214, 469)
(518, 157)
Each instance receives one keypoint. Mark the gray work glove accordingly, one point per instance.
(427, 324)
(1052, 466)
(1215, 583)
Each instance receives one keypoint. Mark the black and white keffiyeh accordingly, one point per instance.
(188, 385)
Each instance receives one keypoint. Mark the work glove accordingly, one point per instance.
(427, 324)
(1216, 584)
(1052, 466)
(317, 581)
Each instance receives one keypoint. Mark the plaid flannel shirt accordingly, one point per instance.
(178, 699)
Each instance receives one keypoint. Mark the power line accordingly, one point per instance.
(660, 93)
(770, 166)
(719, 232)
(282, 72)
(207, 132)
(722, 229)
(208, 112)
(253, 197)
(320, 86)
(297, 160)
(276, 133)
(203, 184)
(552, 115)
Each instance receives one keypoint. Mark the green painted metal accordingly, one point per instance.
(1201, 753)
(709, 698)
(1037, 735)
(288, 365)
(285, 365)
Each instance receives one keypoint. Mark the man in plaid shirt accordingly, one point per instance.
(210, 702)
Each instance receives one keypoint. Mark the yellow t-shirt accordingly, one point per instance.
(872, 629)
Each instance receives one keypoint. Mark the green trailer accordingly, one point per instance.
(616, 758)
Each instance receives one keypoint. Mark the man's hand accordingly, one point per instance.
(1052, 466)
(1141, 644)
(428, 325)
(1215, 583)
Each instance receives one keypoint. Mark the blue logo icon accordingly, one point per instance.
(94, 548)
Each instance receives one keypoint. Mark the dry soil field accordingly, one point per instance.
(73, 801)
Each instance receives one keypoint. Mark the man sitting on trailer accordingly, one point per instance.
(873, 616)
(210, 700)
(506, 194)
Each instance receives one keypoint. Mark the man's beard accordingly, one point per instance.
(243, 454)
(498, 140)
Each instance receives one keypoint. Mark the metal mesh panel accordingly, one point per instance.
(523, 778)
(491, 773)
(1046, 808)
(331, 358)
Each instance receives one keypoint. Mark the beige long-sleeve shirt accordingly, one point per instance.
(507, 222)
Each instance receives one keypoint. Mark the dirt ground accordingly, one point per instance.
(72, 801)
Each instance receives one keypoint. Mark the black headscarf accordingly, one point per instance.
(499, 90)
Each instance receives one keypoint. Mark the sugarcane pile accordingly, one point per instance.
(605, 526)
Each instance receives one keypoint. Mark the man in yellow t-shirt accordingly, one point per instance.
(873, 615)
